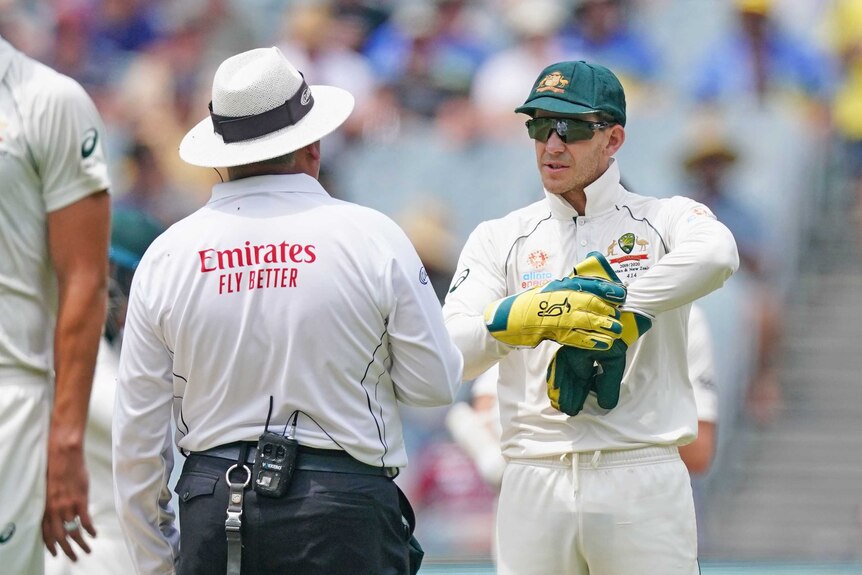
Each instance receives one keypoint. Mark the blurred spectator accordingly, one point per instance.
(759, 60)
(427, 224)
(223, 25)
(164, 82)
(498, 86)
(123, 26)
(427, 51)
(118, 30)
(149, 190)
(321, 41)
(72, 51)
(708, 163)
(602, 32)
(454, 505)
(845, 31)
(361, 18)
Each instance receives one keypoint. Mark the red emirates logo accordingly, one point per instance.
(538, 259)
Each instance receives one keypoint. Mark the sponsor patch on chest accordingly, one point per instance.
(537, 260)
(629, 255)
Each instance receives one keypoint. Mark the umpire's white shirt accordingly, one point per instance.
(272, 289)
(668, 252)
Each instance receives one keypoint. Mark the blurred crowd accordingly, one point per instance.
(753, 107)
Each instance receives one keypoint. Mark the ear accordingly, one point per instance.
(616, 137)
(313, 150)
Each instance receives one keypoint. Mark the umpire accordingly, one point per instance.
(283, 327)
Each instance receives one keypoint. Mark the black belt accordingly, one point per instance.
(308, 459)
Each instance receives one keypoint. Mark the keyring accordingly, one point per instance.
(234, 466)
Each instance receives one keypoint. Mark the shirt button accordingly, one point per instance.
(583, 243)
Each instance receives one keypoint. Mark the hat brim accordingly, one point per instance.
(551, 104)
(725, 155)
(201, 146)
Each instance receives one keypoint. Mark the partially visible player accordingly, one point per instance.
(698, 454)
(476, 426)
(54, 221)
(131, 233)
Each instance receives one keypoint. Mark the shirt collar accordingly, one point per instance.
(602, 195)
(283, 183)
(6, 53)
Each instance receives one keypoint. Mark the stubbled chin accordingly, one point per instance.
(554, 183)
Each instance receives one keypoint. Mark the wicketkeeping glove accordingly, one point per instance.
(573, 372)
(576, 311)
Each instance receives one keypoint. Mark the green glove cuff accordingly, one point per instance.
(634, 326)
(595, 265)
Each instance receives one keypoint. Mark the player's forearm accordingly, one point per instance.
(81, 315)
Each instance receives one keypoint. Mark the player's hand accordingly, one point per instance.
(577, 311)
(66, 516)
(573, 373)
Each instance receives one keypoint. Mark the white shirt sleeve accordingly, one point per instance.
(142, 450)
(426, 366)
(478, 281)
(66, 134)
(701, 366)
(702, 255)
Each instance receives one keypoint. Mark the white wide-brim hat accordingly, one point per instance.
(261, 109)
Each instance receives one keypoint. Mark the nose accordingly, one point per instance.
(555, 144)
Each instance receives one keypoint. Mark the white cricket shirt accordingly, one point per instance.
(276, 289)
(668, 252)
(50, 157)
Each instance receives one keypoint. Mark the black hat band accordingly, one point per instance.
(239, 128)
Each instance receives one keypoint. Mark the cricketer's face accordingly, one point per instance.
(568, 167)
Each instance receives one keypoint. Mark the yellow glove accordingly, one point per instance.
(576, 311)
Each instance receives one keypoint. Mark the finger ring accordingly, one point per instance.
(72, 525)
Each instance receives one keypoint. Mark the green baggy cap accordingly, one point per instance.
(577, 88)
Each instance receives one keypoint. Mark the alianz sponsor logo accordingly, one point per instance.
(533, 279)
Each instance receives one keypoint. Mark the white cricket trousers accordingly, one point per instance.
(597, 513)
(25, 408)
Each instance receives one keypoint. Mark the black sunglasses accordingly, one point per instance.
(568, 129)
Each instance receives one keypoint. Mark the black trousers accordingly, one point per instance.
(327, 524)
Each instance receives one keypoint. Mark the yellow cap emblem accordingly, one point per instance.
(553, 82)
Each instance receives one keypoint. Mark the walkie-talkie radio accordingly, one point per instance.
(274, 462)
